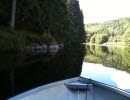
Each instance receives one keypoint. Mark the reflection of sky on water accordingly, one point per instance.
(107, 75)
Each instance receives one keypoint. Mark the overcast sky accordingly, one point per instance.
(104, 10)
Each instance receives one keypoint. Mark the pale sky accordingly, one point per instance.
(104, 10)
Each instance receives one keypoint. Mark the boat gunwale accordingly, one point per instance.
(62, 82)
(43, 87)
(105, 86)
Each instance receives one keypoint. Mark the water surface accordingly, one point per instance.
(109, 65)
(20, 71)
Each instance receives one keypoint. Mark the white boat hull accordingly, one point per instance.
(74, 89)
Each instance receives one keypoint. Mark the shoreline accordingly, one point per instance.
(112, 45)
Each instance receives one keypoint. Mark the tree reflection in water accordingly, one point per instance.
(116, 57)
(20, 72)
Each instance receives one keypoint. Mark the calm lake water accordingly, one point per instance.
(110, 56)
(109, 65)
(20, 71)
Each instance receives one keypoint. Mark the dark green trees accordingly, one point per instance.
(62, 19)
(5, 11)
(76, 21)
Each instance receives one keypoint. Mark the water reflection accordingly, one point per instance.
(116, 57)
(107, 75)
(116, 60)
(20, 72)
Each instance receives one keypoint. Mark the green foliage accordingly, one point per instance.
(99, 38)
(77, 33)
(5, 11)
(115, 31)
(92, 40)
(104, 38)
(62, 19)
(47, 38)
(126, 39)
(9, 39)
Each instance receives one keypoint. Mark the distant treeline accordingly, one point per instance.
(111, 32)
(62, 19)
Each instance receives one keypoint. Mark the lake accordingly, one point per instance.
(109, 65)
(21, 71)
(110, 56)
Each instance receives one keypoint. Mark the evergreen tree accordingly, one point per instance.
(62, 19)
(5, 12)
(76, 21)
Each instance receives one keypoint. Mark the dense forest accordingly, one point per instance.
(115, 32)
(43, 21)
(26, 23)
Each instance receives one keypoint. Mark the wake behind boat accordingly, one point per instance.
(74, 89)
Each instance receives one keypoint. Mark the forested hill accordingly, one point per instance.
(115, 32)
(45, 21)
